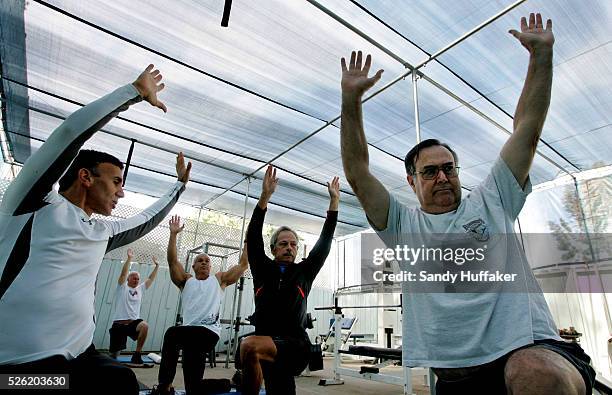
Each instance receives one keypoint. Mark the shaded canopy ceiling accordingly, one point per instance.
(242, 96)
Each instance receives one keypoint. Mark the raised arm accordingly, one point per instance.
(126, 267)
(153, 274)
(256, 251)
(371, 193)
(35, 180)
(128, 230)
(229, 277)
(177, 273)
(320, 251)
(519, 150)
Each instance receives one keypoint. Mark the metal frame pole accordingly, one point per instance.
(415, 98)
(232, 343)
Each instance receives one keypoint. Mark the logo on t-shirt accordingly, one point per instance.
(478, 229)
(133, 293)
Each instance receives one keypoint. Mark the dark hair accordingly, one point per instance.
(86, 159)
(413, 155)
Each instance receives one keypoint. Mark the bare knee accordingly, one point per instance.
(256, 348)
(537, 370)
(142, 328)
(248, 350)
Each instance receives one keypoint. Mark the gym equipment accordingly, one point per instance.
(346, 329)
(387, 356)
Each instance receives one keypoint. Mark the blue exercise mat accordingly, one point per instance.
(127, 359)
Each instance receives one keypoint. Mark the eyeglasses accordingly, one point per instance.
(431, 172)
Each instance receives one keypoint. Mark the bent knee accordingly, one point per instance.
(248, 347)
(538, 367)
(255, 348)
(171, 333)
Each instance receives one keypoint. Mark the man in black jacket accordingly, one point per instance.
(281, 290)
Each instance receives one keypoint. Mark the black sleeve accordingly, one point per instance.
(255, 244)
(320, 251)
(130, 229)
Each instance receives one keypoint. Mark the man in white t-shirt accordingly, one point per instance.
(127, 321)
(202, 294)
(477, 342)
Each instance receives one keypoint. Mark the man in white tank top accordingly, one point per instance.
(201, 301)
(127, 321)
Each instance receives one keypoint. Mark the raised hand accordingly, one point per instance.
(155, 261)
(534, 36)
(355, 79)
(182, 171)
(175, 225)
(130, 253)
(333, 188)
(270, 182)
(148, 85)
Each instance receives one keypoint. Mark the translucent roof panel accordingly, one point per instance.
(262, 50)
(242, 96)
(434, 24)
(67, 58)
(494, 63)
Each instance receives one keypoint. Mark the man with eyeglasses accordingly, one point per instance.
(487, 342)
(281, 344)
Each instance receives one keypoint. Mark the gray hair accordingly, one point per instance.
(274, 237)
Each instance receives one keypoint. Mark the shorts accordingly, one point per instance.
(119, 333)
(490, 379)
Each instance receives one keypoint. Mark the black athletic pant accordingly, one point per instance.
(278, 381)
(196, 342)
(90, 371)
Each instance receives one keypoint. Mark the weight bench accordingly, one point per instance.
(385, 355)
(346, 330)
(374, 352)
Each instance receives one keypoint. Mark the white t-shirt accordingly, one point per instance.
(450, 330)
(127, 301)
(202, 303)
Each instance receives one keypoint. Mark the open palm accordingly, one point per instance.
(175, 224)
(355, 79)
(533, 35)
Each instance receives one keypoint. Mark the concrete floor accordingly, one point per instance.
(305, 385)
